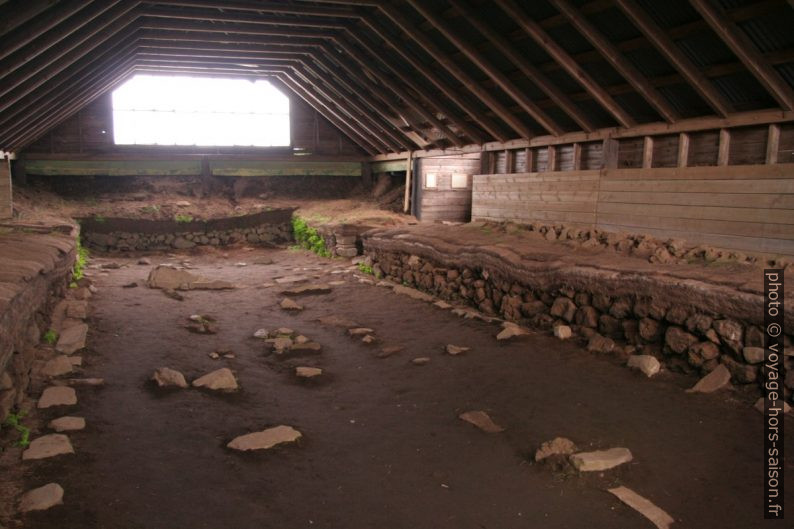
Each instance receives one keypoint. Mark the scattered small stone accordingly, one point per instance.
(421, 361)
(57, 396)
(241, 264)
(481, 420)
(261, 333)
(221, 379)
(442, 305)
(601, 459)
(600, 344)
(86, 381)
(201, 324)
(144, 261)
(359, 331)
(386, 352)
(413, 293)
(759, 405)
(563, 332)
(72, 339)
(67, 424)
(214, 355)
(230, 356)
(455, 350)
(511, 330)
(307, 290)
(644, 506)
(283, 331)
(42, 498)
(60, 365)
(167, 377)
(559, 446)
(169, 277)
(51, 445)
(173, 294)
(288, 304)
(301, 339)
(130, 285)
(645, 363)
(754, 355)
(368, 339)
(336, 283)
(182, 203)
(719, 378)
(282, 343)
(265, 439)
(308, 372)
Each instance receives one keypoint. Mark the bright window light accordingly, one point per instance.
(159, 110)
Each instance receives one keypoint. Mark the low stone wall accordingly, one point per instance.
(34, 272)
(343, 240)
(119, 234)
(687, 325)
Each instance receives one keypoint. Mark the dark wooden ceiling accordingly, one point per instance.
(396, 75)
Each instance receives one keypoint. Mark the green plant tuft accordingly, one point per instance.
(182, 218)
(80, 261)
(366, 269)
(14, 420)
(308, 238)
(50, 337)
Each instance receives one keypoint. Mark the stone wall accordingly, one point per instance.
(116, 234)
(615, 315)
(34, 272)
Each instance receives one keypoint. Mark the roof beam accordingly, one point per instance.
(471, 84)
(746, 51)
(485, 65)
(566, 61)
(617, 60)
(526, 67)
(665, 45)
(35, 27)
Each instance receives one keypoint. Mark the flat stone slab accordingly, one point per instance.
(308, 372)
(645, 363)
(170, 278)
(307, 290)
(51, 445)
(481, 420)
(166, 377)
(219, 380)
(718, 379)
(511, 330)
(67, 424)
(601, 459)
(265, 439)
(559, 446)
(289, 304)
(369, 339)
(644, 506)
(456, 350)
(42, 498)
(389, 350)
(86, 382)
(72, 339)
(307, 347)
(421, 361)
(290, 279)
(77, 310)
(359, 331)
(60, 365)
(413, 293)
(57, 396)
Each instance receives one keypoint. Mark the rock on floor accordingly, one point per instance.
(563, 332)
(72, 339)
(511, 330)
(481, 420)
(170, 278)
(288, 304)
(221, 380)
(601, 459)
(167, 377)
(559, 446)
(60, 365)
(307, 290)
(645, 363)
(57, 396)
(308, 372)
(51, 445)
(413, 293)
(421, 361)
(455, 350)
(265, 439)
(644, 506)
(42, 498)
(67, 424)
(759, 405)
(717, 379)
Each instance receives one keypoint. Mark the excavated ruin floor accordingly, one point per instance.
(383, 446)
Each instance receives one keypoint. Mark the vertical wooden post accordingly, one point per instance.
(408, 175)
(551, 164)
(647, 152)
(610, 153)
(772, 143)
(724, 150)
(577, 156)
(530, 160)
(491, 162)
(683, 149)
(6, 204)
(510, 161)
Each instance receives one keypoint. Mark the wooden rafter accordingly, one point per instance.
(746, 51)
(617, 60)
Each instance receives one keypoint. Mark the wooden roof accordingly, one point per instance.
(396, 75)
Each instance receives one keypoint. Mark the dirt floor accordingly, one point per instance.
(383, 446)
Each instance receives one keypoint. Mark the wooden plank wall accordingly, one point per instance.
(443, 202)
(90, 131)
(742, 199)
(6, 206)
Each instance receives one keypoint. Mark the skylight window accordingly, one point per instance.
(159, 110)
